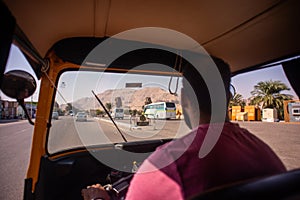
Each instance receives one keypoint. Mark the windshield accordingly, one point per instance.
(170, 105)
(124, 97)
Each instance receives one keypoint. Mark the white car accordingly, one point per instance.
(81, 116)
(55, 115)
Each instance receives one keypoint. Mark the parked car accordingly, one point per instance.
(71, 113)
(81, 116)
(55, 115)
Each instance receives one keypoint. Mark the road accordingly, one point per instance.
(15, 143)
(16, 137)
(66, 133)
(283, 138)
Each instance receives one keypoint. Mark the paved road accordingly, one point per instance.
(284, 139)
(15, 143)
(65, 133)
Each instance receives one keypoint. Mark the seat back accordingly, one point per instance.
(281, 186)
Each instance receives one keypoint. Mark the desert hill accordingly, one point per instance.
(131, 98)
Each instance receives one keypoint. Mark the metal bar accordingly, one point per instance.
(109, 116)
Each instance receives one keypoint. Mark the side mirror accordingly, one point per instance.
(18, 84)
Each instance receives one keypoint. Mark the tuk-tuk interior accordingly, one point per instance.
(248, 35)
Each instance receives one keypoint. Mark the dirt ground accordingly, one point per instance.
(284, 139)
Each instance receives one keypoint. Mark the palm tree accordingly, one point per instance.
(148, 100)
(237, 100)
(268, 95)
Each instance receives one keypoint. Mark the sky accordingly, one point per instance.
(273, 73)
(17, 61)
(85, 82)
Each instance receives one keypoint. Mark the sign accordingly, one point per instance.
(133, 85)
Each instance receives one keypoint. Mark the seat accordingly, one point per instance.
(282, 186)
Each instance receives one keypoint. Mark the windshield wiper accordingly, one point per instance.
(109, 116)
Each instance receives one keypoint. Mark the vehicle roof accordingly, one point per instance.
(243, 33)
(161, 102)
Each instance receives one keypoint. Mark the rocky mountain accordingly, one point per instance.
(131, 98)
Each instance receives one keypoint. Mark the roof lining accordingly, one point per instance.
(243, 23)
(107, 17)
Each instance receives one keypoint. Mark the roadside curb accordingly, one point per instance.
(118, 123)
(12, 122)
(6, 121)
(129, 126)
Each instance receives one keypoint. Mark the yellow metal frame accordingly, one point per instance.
(47, 92)
(47, 89)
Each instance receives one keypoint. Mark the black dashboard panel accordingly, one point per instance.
(64, 177)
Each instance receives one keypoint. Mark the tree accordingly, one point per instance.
(148, 100)
(108, 106)
(69, 107)
(134, 112)
(99, 112)
(56, 107)
(267, 94)
(237, 100)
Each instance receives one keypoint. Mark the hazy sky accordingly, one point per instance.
(89, 81)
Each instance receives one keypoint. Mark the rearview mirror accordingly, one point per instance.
(18, 84)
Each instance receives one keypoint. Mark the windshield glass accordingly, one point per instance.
(83, 122)
(170, 105)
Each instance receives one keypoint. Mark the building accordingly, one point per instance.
(8, 109)
(12, 109)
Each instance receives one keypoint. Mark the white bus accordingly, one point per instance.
(118, 113)
(160, 110)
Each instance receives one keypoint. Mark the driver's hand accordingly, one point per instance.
(95, 192)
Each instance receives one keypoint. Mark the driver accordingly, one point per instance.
(237, 155)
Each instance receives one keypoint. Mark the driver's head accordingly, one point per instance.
(196, 101)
